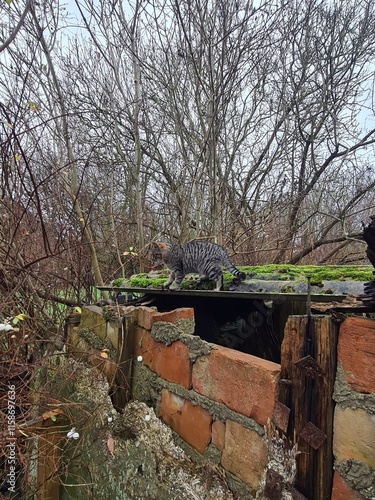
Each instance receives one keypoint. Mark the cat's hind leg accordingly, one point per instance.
(216, 274)
(219, 282)
(202, 279)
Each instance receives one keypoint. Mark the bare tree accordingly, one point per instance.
(39, 170)
(12, 35)
(204, 119)
(328, 65)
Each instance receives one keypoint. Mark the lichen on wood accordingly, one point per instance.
(90, 337)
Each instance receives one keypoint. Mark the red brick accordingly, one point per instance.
(175, 315)
(192, 423)
(218, 434)
(354, 435)
(342, 491)
(244, 454)
(356, 351)
(171, 362)
(147, 316)
(244, 383)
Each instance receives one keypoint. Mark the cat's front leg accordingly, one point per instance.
(178, 277)
(171, 279)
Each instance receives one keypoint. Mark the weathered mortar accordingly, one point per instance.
(147, 388)
(182, 330)
(166, 335)
(104, 324)
(347, 397)
(360, 476)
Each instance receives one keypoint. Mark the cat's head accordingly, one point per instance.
(157, 251)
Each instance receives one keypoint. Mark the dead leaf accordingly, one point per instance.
(111, 444)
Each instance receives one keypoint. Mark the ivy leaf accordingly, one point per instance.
(19, 317)
(8, 1)
(130, 252)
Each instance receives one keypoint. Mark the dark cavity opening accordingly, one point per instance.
(251, 326)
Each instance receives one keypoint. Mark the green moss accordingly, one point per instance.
(118, 282)
(142, 280)
(146, 282)
(317, 273)
(278, 272)
(316, 282)
(287, 289)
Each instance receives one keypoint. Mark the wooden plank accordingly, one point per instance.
(121, 387)
(50, 427)
(278, 297)
(309, 396)
(48, 465)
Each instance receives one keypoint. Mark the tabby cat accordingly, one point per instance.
(200, 257)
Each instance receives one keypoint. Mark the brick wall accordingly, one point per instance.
(216, 399)
(354, 421)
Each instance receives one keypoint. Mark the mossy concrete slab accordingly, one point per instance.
(324, 287)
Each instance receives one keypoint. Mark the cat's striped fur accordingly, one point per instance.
(200, 257)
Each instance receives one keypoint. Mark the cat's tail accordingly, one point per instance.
(229, 266)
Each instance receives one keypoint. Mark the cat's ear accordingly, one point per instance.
(160, 245)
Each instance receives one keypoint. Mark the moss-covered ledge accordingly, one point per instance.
(286, 278)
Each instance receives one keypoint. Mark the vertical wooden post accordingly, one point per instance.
(127, 355)
(48, 463)
(308, 369)
(121, 387)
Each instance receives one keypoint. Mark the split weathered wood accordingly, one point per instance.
(49, 452)
(121, 387)
(50, 428)
(309, 397)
